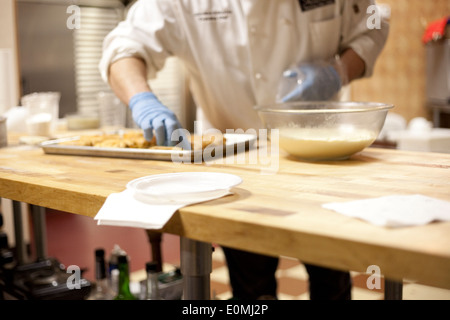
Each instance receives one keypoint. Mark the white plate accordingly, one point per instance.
(183, 186)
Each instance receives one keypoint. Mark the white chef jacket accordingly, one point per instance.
(235, 51)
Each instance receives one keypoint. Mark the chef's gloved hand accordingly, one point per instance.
(155, 118)
(317, 81)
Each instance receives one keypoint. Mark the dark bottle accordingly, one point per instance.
(102, 290)
(124, 292)
(115, 253)
(152, 288)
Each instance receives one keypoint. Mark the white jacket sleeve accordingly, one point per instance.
(365, 31)
(148, 32)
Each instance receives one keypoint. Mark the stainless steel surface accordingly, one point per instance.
(235, 143)
(438, 72)
(55, 56)
(196, 267)
(21, 252)
(39, 231)
(46, 51)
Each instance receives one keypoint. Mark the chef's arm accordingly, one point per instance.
(128, 80)
(127, 77)
(353, 65)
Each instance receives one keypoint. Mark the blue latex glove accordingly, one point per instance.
(154, 118)
(310, 82)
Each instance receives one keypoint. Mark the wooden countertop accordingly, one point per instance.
(275, 213)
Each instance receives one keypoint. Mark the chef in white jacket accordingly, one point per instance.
(236, 53)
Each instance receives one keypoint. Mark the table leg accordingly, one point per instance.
(393, 290)
(196, 267)
(154, 238)
(21, 252)
(40, 231)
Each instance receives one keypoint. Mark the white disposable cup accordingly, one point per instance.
(111, 110)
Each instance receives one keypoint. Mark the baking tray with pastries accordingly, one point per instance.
(132, 144)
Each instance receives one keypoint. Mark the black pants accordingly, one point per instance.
(253, 276)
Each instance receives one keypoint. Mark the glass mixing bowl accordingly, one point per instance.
(318, 131)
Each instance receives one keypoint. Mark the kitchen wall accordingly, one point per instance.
(8, 42)
(8, 45)
(400, 73)
(7, 24)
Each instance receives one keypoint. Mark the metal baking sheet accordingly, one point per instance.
(235, 143)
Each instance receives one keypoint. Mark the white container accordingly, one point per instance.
(82, 121)
(42, 112)
(434, 140)
(16, 119)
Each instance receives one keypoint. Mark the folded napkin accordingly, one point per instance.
(126, 210)
(395, 211)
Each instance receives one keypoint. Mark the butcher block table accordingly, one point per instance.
(274, 212)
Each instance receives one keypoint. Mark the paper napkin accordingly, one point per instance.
(124, 209)
(395, 211)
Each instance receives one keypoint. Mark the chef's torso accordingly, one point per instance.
(235, 51)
